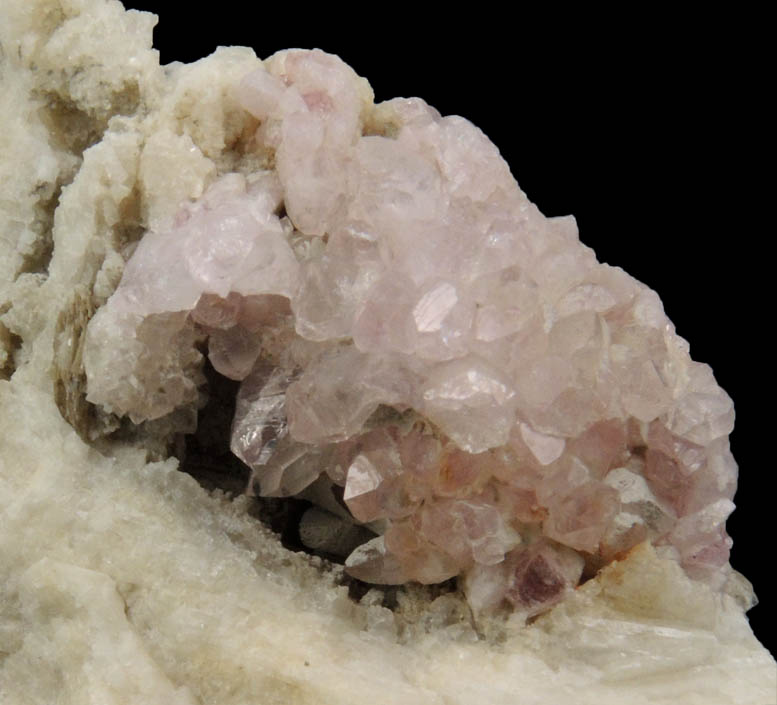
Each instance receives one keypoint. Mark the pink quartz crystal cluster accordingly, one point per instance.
(494, 403)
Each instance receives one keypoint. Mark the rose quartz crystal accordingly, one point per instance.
(494, 403)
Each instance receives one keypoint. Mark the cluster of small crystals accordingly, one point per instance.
(494, 403)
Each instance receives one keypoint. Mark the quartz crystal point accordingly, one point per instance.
(494, 402)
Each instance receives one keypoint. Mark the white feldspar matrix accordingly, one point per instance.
(416, 338)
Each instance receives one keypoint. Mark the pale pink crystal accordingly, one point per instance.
(579, 517)
(494, 402)
(540, 575)
(374, 479)
(229, 243)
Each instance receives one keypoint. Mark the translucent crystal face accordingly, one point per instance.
(493, 402)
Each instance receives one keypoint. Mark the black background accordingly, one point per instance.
(649, 128)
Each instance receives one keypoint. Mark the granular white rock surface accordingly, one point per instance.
(124, 581)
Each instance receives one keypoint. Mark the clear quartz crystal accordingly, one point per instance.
(493, 402)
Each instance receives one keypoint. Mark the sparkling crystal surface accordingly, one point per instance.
(494, 403)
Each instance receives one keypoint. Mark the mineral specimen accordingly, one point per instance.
(493, 402)
(123, 580)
